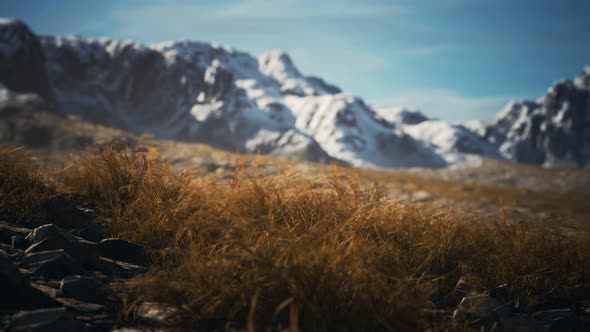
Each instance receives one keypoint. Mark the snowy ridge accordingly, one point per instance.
(213, 94)
(216, 95)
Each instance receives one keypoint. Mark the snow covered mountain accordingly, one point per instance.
(553, 131)
(216, 95)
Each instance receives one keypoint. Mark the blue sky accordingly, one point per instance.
(454, 59)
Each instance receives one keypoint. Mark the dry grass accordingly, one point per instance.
(321, 254)
(22, 187)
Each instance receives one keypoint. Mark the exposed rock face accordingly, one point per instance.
(402, 115)
(22, 61)
(201, 92)
(215, 95)
(553, 131)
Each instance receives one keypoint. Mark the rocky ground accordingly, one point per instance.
(66, 279)
(62, 279)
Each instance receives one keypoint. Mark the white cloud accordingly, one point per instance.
(447, 104)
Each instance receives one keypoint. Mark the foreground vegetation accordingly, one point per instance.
(283, 251)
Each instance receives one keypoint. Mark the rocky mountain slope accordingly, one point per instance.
(552, 131)
(200, 92)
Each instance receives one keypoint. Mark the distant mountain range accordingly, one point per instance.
(201, 92)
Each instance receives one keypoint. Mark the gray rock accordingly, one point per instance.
(123, 250)
(486, 310)
(91, 232)
(51, 237)
(520, 322)
(61, 210)
(118, 269)
(558, 320)
(8, 231)
(48, 231)
(82, 288)
(82, 251)
(19, 242)
(16, 291)
(157, 312)
(81, 306)
(54, 264)
(482, 307)
(57, 319)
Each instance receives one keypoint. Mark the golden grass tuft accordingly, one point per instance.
(325, 253)
(22, 187)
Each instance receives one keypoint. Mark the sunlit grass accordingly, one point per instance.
(325, 253)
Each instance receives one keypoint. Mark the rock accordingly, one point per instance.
(57, 319)
(558, 320)
(482, 307)
(158, 312)
(116, 268)
(582, 292)
(486, 310)
(16, 291)
(421, 196)
(81, 306)
(501, 292)
(61, 210)
(82, 251)
(9, 251)
(48, 231)
(520, 322)
(82, 288)
(54, 264)
(91, 232)
(8, 231)
(51, 237)
(123, 250)
(19, 242)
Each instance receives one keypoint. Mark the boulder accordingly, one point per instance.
(558, 319)
(8, 231)
(123, 250)
(82, 288)
(115, 268)
(47, 231)
(54, 264)
(90, 231)
(51, 237)
(482, 307)
(19, 242)
(57, 319)
(61, 210)
(16, 291)
(82, 251)
(485, 310)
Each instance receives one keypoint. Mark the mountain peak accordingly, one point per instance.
(207, 93)
(278, 65)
